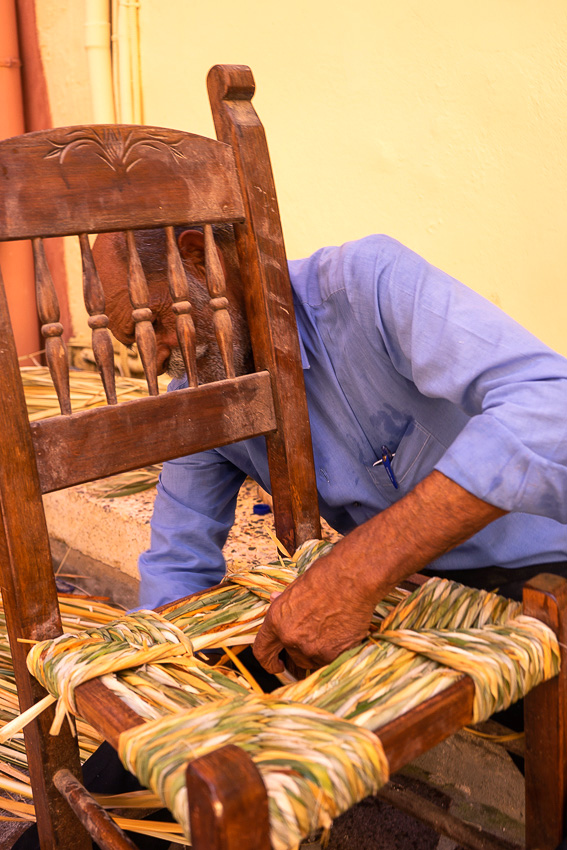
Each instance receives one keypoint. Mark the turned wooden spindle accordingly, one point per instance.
(51, 327)
(181, 306)
(98, 320)
(142, 314)
(219, 302)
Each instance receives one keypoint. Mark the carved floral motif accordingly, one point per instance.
(121, 153)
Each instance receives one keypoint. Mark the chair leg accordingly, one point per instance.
(94, 818)
(57, 826)
(228, 804)
(545, 715)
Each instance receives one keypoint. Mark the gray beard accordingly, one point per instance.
(176, 366)
(209, 364)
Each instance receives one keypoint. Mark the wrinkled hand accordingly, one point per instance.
(328, 609)
(315, 619)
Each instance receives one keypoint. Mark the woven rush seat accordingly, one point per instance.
(313, 740)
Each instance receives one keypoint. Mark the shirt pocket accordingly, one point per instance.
(415, 456)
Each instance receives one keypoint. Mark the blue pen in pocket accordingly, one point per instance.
(386, 459)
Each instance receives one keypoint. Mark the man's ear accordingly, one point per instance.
(192, 249)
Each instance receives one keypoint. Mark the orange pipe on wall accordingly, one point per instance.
(16, 259)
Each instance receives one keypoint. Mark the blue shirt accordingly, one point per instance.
(394, 352)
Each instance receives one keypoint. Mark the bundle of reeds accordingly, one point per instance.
(371, 684)
(443, 604)
(314, 766)
(152, 650)
(504, 662)
(155, 690)
(78, 613)
(86, 391)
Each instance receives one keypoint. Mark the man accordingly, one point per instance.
(439, 435)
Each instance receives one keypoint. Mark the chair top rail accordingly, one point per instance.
(97, 178)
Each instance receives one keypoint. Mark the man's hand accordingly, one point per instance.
(317, 617)
(328, 609)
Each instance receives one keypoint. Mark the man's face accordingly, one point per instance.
(111, 260)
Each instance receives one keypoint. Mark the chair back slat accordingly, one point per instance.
(216, 285)
(142, 432)
(151, 175)
(51, 327)
(142, 314)
(181, 306)
(98, 320)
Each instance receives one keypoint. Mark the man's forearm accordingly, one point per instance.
(328, 609)
(433, 518)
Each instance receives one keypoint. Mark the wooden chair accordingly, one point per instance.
(96, 179)
(81, 180)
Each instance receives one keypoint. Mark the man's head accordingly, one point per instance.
(111, 260)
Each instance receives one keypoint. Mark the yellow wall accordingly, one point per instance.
(441, 123)
(61, 36)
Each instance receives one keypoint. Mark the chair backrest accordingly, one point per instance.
(93, 179)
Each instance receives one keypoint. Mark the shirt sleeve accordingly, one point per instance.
(453, 344)
(193, 514)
